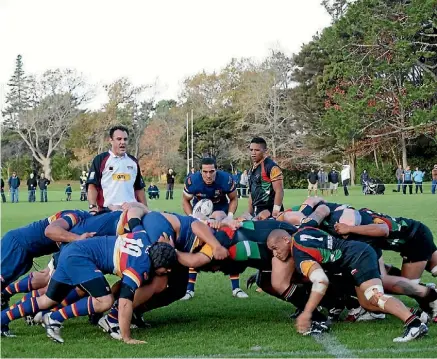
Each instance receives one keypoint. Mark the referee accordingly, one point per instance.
(115, 176)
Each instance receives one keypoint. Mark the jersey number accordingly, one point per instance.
(305, 237)
(131, 246)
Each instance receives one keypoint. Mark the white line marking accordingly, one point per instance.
(333, 347)
(317, 353)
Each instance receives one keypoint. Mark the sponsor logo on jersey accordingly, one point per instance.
(121, 177)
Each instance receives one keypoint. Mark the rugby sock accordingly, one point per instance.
(192, 277)
(288, 293)
(82, 307)
(32, 294)
(72, 297)
(413, 320)
(244, 250)
(19, 310)
(423, 302)
(113, 314)
(22, 286)
(235, 281)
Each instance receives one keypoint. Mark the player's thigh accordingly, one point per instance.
(15, 261)
(281, 274)
(417, 252)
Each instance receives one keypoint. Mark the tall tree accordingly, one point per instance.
(54, 103)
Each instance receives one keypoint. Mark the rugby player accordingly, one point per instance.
(84, 263)
(220, 188)
(313, 250)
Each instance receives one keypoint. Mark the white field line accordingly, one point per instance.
(315, 353)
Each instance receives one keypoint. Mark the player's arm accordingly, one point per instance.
(278, 186)
(187, 196)
(250, 204)
(320, 213)
(203, 232)
(59, 230)
(130, 282)
(139, 186)
(93, 182)
(193, 260)
(371, 230)
(320, 282)
(233, 202)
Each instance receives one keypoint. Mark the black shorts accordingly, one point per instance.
(361, 261)
(420, 247)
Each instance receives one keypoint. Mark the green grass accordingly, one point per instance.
(214, 323)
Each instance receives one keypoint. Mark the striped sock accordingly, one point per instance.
(113, 314)
(22, 286)
(72, 297)
(244, 250)
(32, 294)
(235, 281)
(19, 310)
(82, 307)
(192, 277)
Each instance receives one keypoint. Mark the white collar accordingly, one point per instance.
(115, 156)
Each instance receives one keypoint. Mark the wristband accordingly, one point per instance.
(276, 208)
(230, 215)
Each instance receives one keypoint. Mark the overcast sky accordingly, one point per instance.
(147, 40)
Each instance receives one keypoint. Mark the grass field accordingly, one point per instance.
(213, 323)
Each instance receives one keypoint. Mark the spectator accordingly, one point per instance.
(170, 184)
(42, 184)
(418, 179)
(345, 178)
(407, 179)
(333, 177)
(14, 184)
(192, 171)
(399, 174)
(31, 187)
(68, 192)
(434, 179)
(115, 176)
(236, 177)
(153, 191)
(3, 191)
(244, 181)
(312, 178)
(323, 180)
(82, 181)
(364, 178)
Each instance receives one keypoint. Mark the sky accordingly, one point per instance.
(160, 41)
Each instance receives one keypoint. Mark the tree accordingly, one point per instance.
(44, 120)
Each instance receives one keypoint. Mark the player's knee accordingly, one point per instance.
(375, 295)
(102, 304)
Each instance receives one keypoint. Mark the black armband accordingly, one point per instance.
(133, 222)
(127, 292)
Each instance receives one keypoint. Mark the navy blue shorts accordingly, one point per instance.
(155, 224)
(221, 207)
(15, 260)
(75, 267)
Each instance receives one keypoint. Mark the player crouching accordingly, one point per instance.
(312, 249)
(84, 264)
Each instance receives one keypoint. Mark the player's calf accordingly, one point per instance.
(372, 297)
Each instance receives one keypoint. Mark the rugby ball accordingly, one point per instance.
(204, 206)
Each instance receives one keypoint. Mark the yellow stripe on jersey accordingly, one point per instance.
(122, 226)
(207, 250)
(73, 218)
(116, 259)
(196, 244)
(133, 275)
(305, 266)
